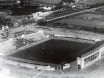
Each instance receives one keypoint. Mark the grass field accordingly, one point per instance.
(93, 16)
(88, 20)
(53, 51)
(101, 10)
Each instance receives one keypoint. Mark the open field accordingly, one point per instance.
(90, 16)
(86, 23)
(101, 10)
(87, 20)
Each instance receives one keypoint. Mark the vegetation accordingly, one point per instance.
(65, 25)
(96, 5)
(19, 42)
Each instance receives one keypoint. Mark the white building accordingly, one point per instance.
(92, 55)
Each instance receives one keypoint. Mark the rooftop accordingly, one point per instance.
(90, 49)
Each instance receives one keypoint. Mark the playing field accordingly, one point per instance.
(53, 51)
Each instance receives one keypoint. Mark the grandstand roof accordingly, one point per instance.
(92, 48)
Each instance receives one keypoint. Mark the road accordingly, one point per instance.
(75, 13)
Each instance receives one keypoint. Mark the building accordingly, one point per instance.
(52, 53)
(91, 55)
(84, 58)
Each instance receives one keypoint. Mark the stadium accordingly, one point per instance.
(55, 52)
